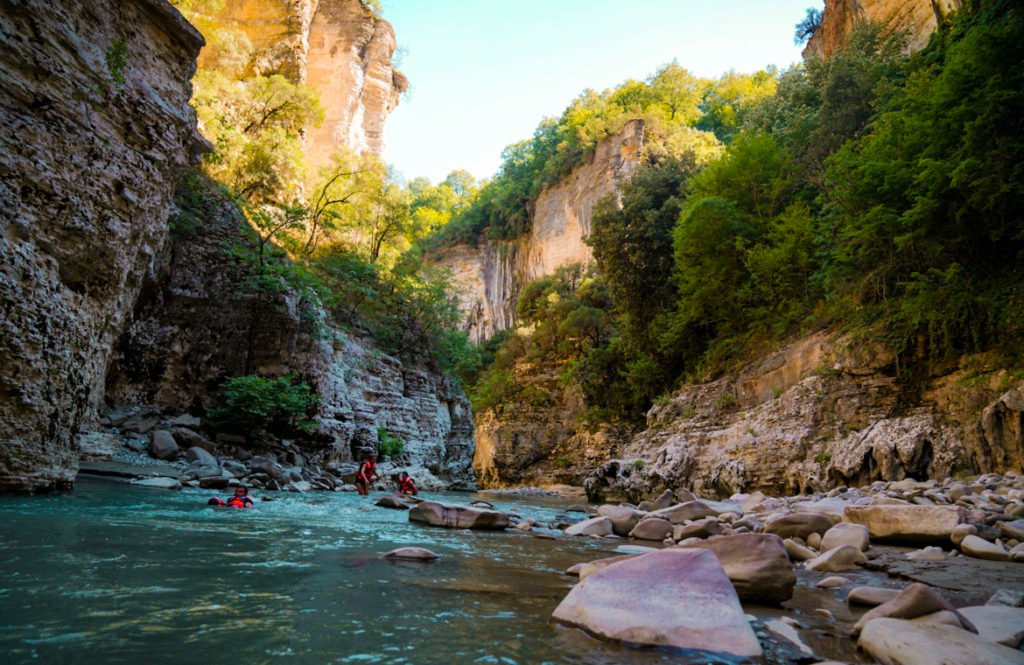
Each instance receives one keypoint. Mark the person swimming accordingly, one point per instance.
(241, 499)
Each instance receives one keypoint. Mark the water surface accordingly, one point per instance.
(114, 574)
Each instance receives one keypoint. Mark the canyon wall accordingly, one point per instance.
(824, 411)
(200, 322)
(917, 18)
(342, 49)
(89, 154)
(488, 277)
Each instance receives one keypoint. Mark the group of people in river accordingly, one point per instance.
(364, 480)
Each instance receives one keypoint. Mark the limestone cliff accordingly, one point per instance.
(824, 411)
(90, 149)
(489, 276)
(341, 49)
(918, 19)
(199, 322)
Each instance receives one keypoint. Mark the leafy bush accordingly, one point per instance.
(388, 444)
(253, 403)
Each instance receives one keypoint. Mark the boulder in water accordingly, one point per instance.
(756, 563)
(909, 643)
(457, 517)
(595, 526)
(160, 483)
(391, 501)
(837, 560)
(675, 598)
(798, 525)
(412, 554)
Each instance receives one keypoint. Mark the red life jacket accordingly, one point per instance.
(240, 502)
(369, 468)
(406, 486)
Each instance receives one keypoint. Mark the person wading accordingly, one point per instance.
(367, 472)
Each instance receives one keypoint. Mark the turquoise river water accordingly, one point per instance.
(112, 573)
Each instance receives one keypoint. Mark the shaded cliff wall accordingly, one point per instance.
(488, 277)
(917, 18)
(200, 322)
(87, 169)
(341, 49)
(826, 410)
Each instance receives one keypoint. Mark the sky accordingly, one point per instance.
(484, 73)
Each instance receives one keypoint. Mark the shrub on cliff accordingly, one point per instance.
(253, 404)
(388, 444)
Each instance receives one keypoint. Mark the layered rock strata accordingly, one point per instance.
(917, 19)
(489, 277)
(342, 49)
(95, 129)
(824, 411)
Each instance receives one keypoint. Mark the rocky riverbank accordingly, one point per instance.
(147, 447)
(896, 572)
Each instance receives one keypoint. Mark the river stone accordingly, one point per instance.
(837, 560)
(931, 553)
(709, 526)
(1014, 529)
(832, 582)
(594, 566)
(411, 553)
(457, 517)
(846, 533)
(910, 523)
(595, 526)
(391, 501)
(798, 525)
(1007, 598)
(161, 483)
(914, 601)
(944, 617)
(869, 595)
(664, 500)
(260, 464)
(217, 482)
(899, 642)
(756, 563)
(798, 552)
(675, 598)
(187, 438)
(961, 531)
(980, 548)
(196, 456)
(623, 518)
(162, 446)
(652, 529)
(814, 541)
(1004, 625)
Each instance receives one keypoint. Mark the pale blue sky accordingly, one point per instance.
(485, 72)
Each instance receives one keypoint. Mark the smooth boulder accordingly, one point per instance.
(846, 533)
(996, 623)
(652, 529)
(457, 517)
(623, 518)
(900, 642)
(677, 598)
(595, 526)
(798, 525)
(906, 523)
(979, 548)
(756, 563)
(837, 560)
(869, 595)
(392, 501)
(162, 446)
(412, 554)
(914, 601)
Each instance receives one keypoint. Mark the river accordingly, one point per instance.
(112, 573)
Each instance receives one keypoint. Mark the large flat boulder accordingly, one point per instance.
(756, 563)
(906, 523)
(677, 598)
(997, 623)
(457, 517)
(901, 642)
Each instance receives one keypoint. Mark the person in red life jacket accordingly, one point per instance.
(406, 484)
(367, 472)
(241, 499)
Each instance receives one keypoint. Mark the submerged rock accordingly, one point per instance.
(676, 598)
(412, 554)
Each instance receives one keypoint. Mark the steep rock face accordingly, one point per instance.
(489, 276)
(87, 167)
(824, 411)
(341, 49)
(917, 18)
(200, 323)
(538, 439)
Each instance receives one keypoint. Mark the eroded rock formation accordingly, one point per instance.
(88, 163)
(341, 49)
(824, 411)
(489, 276)
(917, 18)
